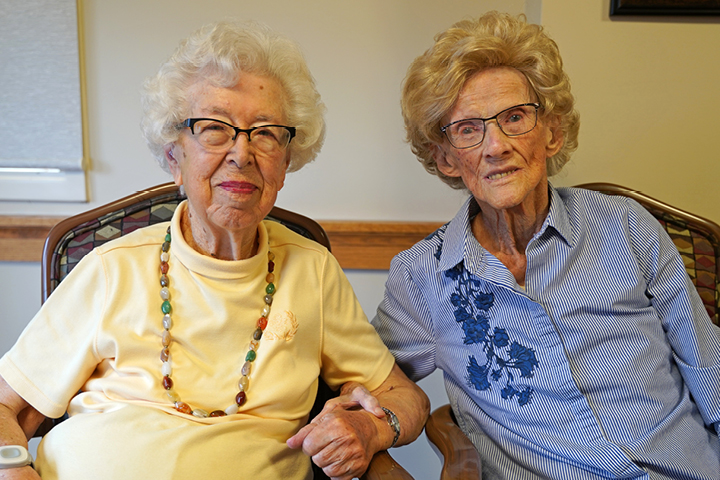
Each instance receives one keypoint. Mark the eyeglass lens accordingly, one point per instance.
(216, 135)
(513, 121)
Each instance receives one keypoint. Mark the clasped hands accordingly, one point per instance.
(344, 436)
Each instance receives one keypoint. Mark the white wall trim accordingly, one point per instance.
(43, 187)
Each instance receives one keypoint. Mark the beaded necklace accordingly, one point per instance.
(166, 358)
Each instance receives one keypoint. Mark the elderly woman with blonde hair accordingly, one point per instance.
(196, 345)
(572, 342)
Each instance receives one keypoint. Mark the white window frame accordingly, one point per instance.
(42, 150)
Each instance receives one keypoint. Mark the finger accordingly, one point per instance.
(344, 477)
(348, 387)
(329, 406)
(345, 401)
(297, 440)
(367, 401)
(343, 443)
(339, 469)
(359, 396)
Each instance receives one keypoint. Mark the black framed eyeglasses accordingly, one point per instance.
(513, 121)
(216, 135)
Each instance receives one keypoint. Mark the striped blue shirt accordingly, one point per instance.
(605, 365)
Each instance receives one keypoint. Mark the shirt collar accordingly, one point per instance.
(558, 218)
(460, 245)
(457, 234)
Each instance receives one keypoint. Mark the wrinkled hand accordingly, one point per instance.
(343, 438)
(353, 395)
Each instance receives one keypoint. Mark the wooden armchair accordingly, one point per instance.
(457, 453)
(697, 239)
(74, 237)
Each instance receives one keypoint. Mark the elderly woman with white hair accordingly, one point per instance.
(196, 346)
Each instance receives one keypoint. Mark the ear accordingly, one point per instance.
(284, 172)
(446, 162)
(555, 139)
(287, 159)
(173, 153)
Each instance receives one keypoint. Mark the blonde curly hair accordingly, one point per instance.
(218, 53)
(435, 79)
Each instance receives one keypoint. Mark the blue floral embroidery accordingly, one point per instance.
(504, 358)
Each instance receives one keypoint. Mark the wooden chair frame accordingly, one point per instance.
(672, 217)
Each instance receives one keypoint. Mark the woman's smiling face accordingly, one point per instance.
(236, 188)
(502, 172)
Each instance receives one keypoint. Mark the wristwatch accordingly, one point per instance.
(14, 456)
(394, 424)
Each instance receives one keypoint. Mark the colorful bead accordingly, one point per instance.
(250, 357)
(200, 413)
(183, 407)
(243, 384)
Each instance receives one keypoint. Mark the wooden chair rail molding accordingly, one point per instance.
(356, 244)
(22, 238)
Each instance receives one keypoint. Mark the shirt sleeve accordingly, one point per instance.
(404, 322)
(56, 353)
(351, 349)
(695, 340)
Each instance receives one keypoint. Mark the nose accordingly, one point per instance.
(240, 153)
(495, 143)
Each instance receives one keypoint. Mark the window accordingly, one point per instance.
(41, 127)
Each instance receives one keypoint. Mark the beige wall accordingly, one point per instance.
(357, 51)
(647, 91)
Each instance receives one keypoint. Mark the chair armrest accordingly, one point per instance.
(384, 467)
(44, 427)
(460, 458)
